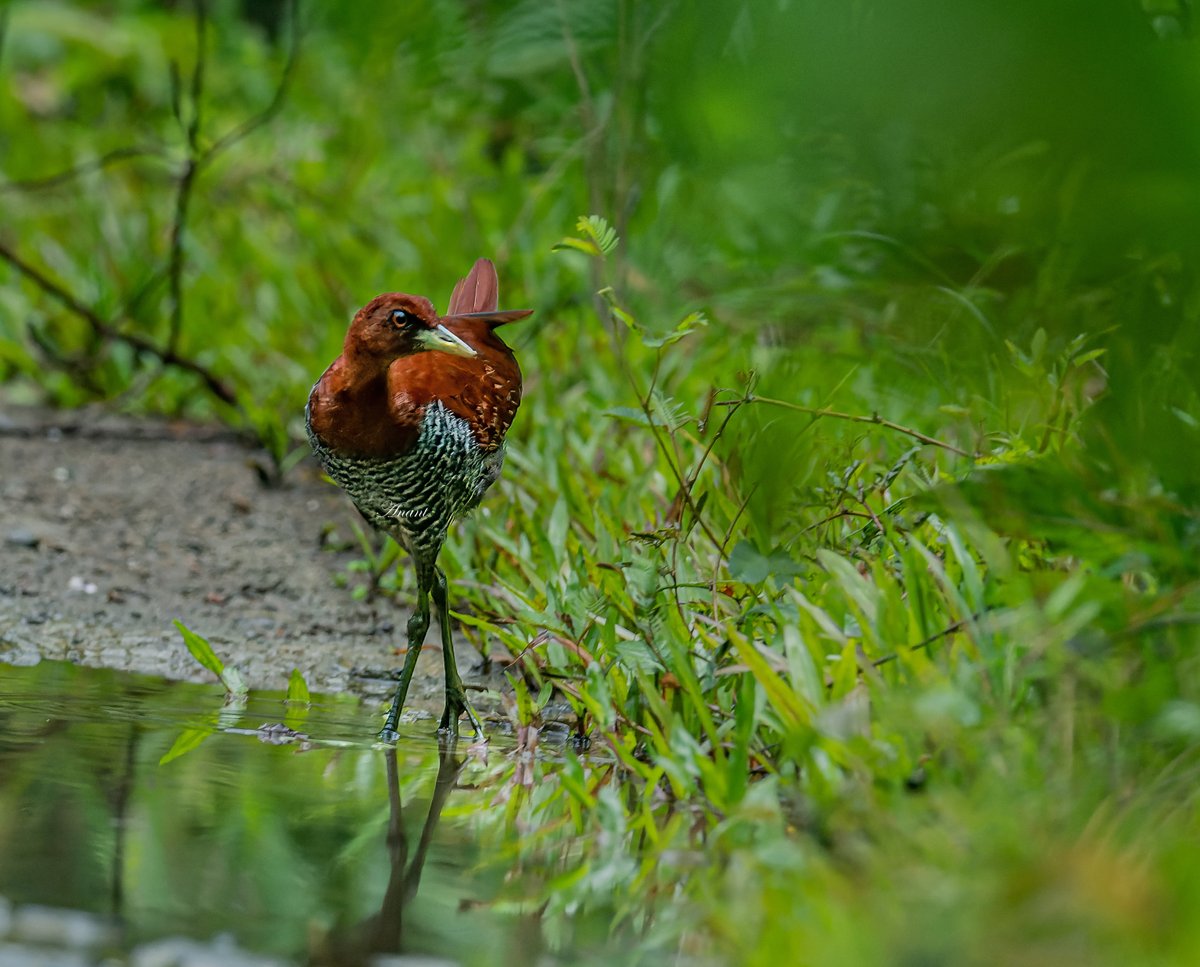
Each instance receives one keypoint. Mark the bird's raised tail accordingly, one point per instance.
(476, 298)
(478, 292)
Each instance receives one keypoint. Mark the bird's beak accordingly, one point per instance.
(443, 340)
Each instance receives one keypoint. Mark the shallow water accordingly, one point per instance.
(155, 805)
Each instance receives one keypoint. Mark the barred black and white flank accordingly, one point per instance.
(417, 496)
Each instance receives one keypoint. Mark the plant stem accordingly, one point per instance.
(819, 411)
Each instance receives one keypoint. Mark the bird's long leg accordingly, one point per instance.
(456, 696)
(418, 624)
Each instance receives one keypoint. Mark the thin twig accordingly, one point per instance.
(183, 197)
(78, 171)
(198, 159)
(870, 513)
(3, 29)
(690, 483)
(193, 127)
(106, 330)
(695, 474)
(252, 124)
(874, 418)
(676, 471)
(187, 178)
(938, 636)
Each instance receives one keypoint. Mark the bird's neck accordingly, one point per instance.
(350, 411)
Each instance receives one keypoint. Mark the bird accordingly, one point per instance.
(410, 421)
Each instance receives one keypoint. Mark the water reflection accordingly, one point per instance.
(306, 841)
(384, 931)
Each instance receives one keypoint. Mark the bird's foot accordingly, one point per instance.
(390, 732)
(456, 705)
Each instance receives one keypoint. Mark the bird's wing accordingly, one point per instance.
(484, 390)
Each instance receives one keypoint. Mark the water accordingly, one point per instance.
(153, 804)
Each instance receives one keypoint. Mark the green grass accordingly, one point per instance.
(877, 594)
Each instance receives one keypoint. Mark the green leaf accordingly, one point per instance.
(1038, 345)
(234, 684)
(747, 563)
(201, 650)
(1087, 357)
(610, 299)
(297, 690)
(802, 670)
(596, 228)
(187, 740)
(598, 237)
(783, 698)
(636, 655)
(578, 244)
(558, 524)
(856, 588)
(845, 671)
(1186, 417)
(627, 414)
(690, 323)
(509, 638)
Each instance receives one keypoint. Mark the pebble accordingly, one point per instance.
(22, 537)
(32, 935)
(66, 928)
(183, 952)
(21, 655)
(19, 955)
(76, 583)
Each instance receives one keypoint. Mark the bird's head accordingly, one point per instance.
(394, 325)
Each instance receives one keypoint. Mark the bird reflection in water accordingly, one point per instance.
(383, 932)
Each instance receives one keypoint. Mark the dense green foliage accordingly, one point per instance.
(881, 587)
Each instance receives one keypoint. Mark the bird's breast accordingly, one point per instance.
(416, 495)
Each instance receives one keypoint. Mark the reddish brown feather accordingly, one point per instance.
(485, 390)
(378, 414)
(478, 292)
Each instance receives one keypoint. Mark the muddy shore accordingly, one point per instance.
(111, 528)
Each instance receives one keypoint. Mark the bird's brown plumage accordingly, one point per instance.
(410, 421)
(369, 405)
(484, 390)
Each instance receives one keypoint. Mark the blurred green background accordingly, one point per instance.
(917, 182)
(977, 222)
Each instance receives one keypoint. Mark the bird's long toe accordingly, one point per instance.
(456, 706)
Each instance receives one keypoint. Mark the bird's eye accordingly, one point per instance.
(399, 318)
